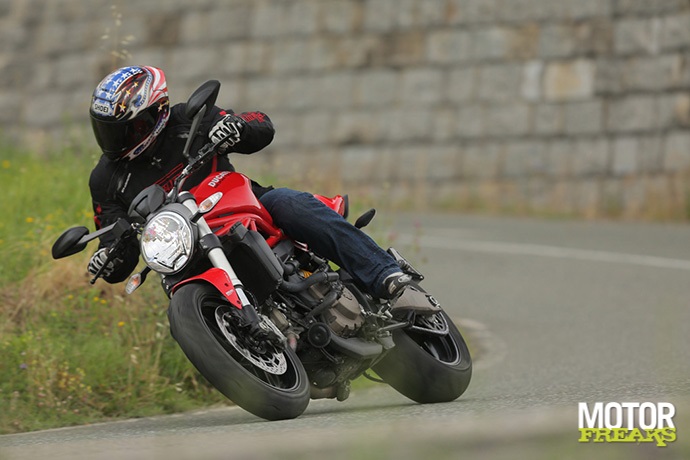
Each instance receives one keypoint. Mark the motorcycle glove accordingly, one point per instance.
(98, 260)
(230, 128)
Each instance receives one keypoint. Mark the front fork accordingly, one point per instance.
(225, 280)
(222, 276)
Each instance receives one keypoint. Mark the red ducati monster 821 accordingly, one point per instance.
(266, 321)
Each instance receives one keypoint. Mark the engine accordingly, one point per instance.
(344, 317)
(329, 371)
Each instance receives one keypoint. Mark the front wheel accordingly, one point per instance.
(269, 383)
(430, 363)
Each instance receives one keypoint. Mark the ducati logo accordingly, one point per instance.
(216, 180)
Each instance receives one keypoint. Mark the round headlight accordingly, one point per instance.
(167, 242)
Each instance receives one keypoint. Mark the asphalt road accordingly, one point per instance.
(557, 312)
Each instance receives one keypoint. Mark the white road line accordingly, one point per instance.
(497, 247)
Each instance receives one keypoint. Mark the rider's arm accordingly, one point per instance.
(107, 210)
(257, 133)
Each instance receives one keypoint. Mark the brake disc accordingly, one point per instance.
(273, 361)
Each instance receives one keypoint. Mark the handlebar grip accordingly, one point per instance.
(108, 258)
(124, 235)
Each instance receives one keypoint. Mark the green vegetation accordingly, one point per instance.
(74, 353)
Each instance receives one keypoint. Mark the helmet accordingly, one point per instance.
(129, 109)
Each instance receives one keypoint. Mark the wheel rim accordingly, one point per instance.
(273, 362)
(442, 347)
(275, 369)
(435, 324)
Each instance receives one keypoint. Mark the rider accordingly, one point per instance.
(142, 139)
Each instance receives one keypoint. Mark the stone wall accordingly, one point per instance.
(557, 106)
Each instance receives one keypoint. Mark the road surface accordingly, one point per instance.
(558, 313)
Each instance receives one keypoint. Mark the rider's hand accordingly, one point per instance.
(98, 260)
(231, 125)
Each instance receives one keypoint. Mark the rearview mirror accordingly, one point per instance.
(365, 218)
(70, 242)
(204, 96)
(197, 106)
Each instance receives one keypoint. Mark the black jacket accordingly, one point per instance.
(114, 184)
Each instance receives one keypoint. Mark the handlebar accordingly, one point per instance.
(204, 154)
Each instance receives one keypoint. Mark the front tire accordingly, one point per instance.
(426, 367)
(194, 314)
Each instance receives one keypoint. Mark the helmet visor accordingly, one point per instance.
(117, 138)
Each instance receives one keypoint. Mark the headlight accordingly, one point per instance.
(167, 242)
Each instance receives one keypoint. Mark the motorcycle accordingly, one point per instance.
(266, 321)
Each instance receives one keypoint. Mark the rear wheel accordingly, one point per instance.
(266, 381)
(430, 362)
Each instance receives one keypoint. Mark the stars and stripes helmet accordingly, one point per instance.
(129, 109)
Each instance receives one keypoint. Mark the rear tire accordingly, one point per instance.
(428, 368)
(194, 324)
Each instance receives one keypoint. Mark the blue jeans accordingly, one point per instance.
(304, 218)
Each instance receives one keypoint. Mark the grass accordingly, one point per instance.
(40, 197)
(75, 353)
